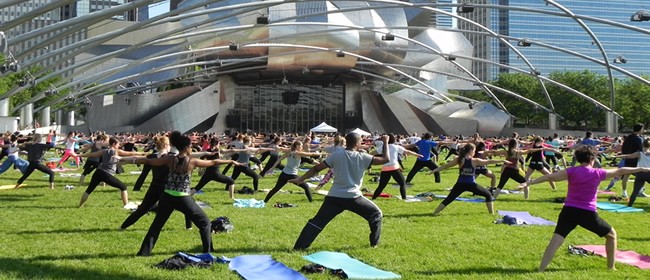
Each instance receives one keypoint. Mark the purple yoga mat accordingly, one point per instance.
(527, 218)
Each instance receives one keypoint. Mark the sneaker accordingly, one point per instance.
(642, 194)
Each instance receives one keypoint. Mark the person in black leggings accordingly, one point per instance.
(537, 160)
(466, 183)
(106, 170)
(212, 173)
(92, 163)
(273, 157)
(392, 168)
(290, 171)
(35, 151)
(425, 145)
(511, 169)
(244, 158)
(178, 193)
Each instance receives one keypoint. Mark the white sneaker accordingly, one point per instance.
(642, 194)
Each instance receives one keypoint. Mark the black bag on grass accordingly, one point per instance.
(221, 224)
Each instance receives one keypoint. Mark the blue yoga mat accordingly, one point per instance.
(527, 218)
(616, 207)
(263, 267)
(475, 200)
(354, 268)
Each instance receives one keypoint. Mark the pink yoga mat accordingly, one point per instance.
(626, 257)
(606, 192)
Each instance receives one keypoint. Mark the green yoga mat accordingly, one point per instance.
(606, 206)
(354, 268)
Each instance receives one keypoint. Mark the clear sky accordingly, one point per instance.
(158, 8)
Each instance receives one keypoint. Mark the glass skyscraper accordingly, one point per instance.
(562, 32)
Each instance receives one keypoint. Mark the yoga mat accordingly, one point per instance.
(263, 267)
(304, 169)
(406, 186)
(605, 192)
(620, 208)
(10, 187)
(354, 268)
(475, 200)
(527, 218)
(626, 257)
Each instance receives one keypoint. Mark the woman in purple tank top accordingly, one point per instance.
(580, 205)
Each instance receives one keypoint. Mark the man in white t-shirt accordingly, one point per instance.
(349, 166)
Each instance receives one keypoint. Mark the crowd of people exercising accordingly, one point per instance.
(171, 158)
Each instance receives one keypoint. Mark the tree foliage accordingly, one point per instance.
(578, 112)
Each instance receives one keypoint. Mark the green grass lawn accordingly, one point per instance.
(45, 236)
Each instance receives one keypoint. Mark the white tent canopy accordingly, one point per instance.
(360, 132)
(323, 127)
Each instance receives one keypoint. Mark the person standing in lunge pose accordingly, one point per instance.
(178, 193)
(35, 152)
(642, 159)
(106, 170)
(290, 170)
(345, 194)
(580, 204)
(392, 168)
(425, 145)
(467, 172)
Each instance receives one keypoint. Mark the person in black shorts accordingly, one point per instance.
(580, 205)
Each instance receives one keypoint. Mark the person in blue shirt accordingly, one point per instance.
(589, 141)
(425, 145)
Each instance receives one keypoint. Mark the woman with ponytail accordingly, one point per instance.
(467, 171)
(106, 170)
(177, 194)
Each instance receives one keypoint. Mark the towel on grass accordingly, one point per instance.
(248, 203)
(72, 175)
(626, 257)
(410, 198)
(527, 218)
(263, 267)
(611, 207)
(354, 268)
(63, 169)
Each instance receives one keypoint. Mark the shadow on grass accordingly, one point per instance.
(19, 197)
(81, 257)
(27, 269)
(479, 270)
(635, 238)
(88, 230)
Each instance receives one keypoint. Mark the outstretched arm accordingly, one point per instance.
(313, 171)
(553, 177)
(447, 165)
(611, 173)
(633, 155)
